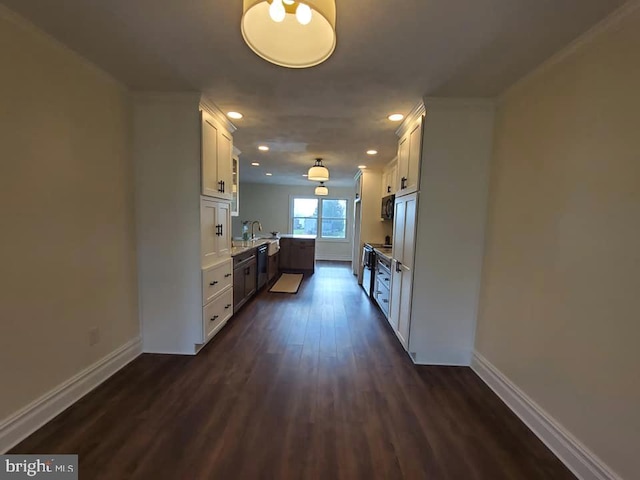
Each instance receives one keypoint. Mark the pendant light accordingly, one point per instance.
(321, 190)
(318, 173)
(290, 33)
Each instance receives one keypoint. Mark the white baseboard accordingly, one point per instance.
(334, 258)
(582, 462)
(24, 422)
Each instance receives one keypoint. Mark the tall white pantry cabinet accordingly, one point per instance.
(444, 157)
(183, 183)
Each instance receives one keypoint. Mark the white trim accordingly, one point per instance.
(213, 110)
(580, 460)
(587, 37)
(24, 422)
(333, 258)
(411, 118)
(22, 22)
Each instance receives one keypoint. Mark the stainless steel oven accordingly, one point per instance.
(368, 268)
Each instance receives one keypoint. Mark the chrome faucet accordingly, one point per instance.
(253, 235)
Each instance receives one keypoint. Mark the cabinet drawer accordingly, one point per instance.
(384, 277)
(382, 296)
(216, 314)
(215, 279)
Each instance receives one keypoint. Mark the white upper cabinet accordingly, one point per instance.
(217, 147)
(409, 157)
(390, 178)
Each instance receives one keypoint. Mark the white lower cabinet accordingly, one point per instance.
(216, 313)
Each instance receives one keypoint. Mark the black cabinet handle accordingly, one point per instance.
(388, 189)
(227, 275)
(223, 185)
(220, 186)
(215, 317)
(403, 182)
(386, 279)
(385, 300)
(213, 283)
(398, 266)
(227, 306)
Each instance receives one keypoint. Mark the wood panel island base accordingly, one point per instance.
(298, 253)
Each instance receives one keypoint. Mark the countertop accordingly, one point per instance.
(385, 252)
(296, 235)
(241, 246)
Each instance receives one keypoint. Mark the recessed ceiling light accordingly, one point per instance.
(372, 152)
(263, 148)
(305, 175)
(235, 115)
(395, 117)
(268, 174)
(255, 164)
(362, 166)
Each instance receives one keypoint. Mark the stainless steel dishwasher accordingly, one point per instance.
(263, 262)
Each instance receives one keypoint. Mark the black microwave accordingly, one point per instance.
(388, 206)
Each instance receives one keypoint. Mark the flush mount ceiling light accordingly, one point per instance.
(362, 167)
(263, 148)
(318, 173)
(395, 117)
(290, 33)
(372, 152)
(235, 115)
(255, 164)
(321, 190)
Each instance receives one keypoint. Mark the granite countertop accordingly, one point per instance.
(385, 252)
(241, 246)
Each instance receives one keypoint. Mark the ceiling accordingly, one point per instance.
(389, 54)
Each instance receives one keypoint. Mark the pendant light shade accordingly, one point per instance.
(321, 190)
(294, 34)
(318, 173)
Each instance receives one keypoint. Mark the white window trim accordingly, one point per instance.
(348, 218)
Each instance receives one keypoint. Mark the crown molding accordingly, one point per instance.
(609, 22)
(213, 110)
(20, 21)
(416, 112)
(467, 103)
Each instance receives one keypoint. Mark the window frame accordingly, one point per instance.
(319, 218)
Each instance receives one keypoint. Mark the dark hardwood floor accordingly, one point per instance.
(306, 386)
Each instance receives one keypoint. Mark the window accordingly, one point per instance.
(326, 218)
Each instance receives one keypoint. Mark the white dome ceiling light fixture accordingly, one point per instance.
(290, 33)
(318, 173)
(321, 190)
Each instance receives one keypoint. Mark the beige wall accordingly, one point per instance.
(67, 242)
(269, 204)
(560, 304)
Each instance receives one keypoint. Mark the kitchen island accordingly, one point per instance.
(298, 253)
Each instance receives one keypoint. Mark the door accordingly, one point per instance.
(403, 164)
(415, 155)
(404, 233)
(208, 232)
(209, 156)
(223, 220)
(225, 148)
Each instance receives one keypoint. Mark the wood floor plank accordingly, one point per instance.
(307, 386)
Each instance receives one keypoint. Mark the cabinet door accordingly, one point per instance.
(403, 164)
(415, 155)
(223, 219)
(238, 287)
(209, 156)
(208, 233)
(398, 228)
(225, 148)
(358, 186)
(392, 180)
(235, 186)
(250, 279)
